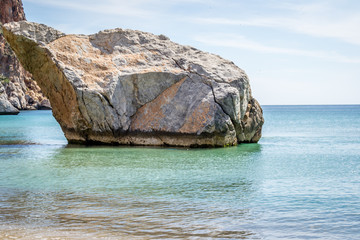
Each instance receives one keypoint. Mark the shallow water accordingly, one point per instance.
(302, 181)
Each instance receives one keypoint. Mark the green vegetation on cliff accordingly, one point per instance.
(4, 80)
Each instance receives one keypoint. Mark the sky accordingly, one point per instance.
(294, 52)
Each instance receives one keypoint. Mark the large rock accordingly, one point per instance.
(130, 87)
(22, 92)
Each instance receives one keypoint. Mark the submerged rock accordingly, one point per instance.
(130, 87)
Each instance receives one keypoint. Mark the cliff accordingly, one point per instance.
(19, 89)
(130, 87)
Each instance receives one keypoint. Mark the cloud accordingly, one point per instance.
(135, 8)
(108, 7)
(236, 41)
(318, 20)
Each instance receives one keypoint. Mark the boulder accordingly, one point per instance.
(5, 106)
(131, 87)
(44, 105)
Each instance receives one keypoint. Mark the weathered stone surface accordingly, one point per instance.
(11, 11)
(5, 106)
(130, 87)
(21, 90)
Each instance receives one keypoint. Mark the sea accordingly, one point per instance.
(301, 181)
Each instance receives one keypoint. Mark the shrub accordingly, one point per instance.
(4, 80)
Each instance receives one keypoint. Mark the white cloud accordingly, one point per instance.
(108, 7)
(319, 20)
(137, 8)
(236, 41)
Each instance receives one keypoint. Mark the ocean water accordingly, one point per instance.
(301, 181)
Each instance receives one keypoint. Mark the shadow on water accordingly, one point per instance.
(82, 155)
(241, 149)
(243, 146)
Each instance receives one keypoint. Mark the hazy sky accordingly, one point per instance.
(294, 52)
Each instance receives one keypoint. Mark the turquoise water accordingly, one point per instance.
(302, 181)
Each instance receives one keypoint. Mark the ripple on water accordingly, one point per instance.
(302, 181)
(95, 215)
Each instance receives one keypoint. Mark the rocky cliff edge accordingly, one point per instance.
(18, 91)
(130, 87)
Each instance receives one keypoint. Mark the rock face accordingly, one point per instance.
(5, 105)
(21, 90)
(11, 11)
(131, 87)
